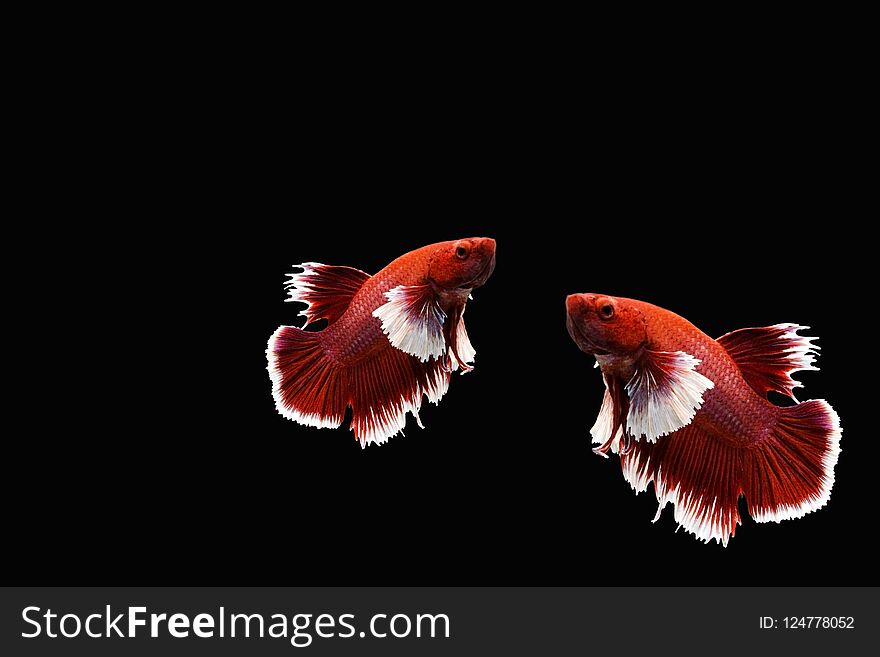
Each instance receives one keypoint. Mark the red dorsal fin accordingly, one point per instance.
(768, 356)
(326, 289)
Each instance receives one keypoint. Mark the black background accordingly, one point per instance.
(501, 485)
(721, 197)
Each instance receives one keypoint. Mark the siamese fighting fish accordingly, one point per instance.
(691, 414)
(390, 339)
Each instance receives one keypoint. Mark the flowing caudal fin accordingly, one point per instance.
(327, 290)
(792, 471)
(786, 475)
(310, 388)
(768, 356)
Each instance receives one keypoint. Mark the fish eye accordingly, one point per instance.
(461, 252)
(606, 311)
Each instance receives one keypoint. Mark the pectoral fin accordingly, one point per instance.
(413, 321)
(664, 393)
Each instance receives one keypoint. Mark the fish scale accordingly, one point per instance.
(733, 411)
(357, 335)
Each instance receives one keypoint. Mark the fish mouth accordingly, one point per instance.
(483, 276)
(583, 342)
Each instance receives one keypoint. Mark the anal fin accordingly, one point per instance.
(384, 388)
(697, 473)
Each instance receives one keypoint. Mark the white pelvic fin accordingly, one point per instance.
(601, 430)
(465, 348)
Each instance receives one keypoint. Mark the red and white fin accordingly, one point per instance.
(697, 473)
(602, 430)
(307, 387)
(461, 351)
(787, 475)
(387, 387)
(312, 389)
(466, 350)
(664, 393)
(413, 321)
(608, 428)
(327, 290)
(768, 356)
(793, 471)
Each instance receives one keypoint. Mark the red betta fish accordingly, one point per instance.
(691, 414)
(389, 339)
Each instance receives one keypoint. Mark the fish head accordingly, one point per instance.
(602, 325)
(462, 264)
